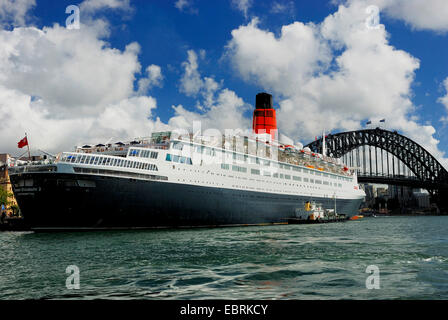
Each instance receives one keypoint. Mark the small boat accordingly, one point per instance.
(357, 217)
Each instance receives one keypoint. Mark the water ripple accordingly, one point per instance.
(280, 262)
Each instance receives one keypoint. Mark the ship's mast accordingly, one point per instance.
(324, 145)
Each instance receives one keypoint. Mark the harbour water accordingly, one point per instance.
(324, 261)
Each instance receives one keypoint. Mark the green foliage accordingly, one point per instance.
(3, 196)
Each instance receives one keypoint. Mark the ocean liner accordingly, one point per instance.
(173, 179)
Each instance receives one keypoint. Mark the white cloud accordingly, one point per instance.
(419, 14)
(225, 113)
(84, 77)
(186, 6)
(444, 100)
(216, 107)
(181, 4)
(192, 84)
(125, 119)
(66, 87)
(283, 7)
(13, 12)
(242, 5)
(91, 6)
(332, 75)
(154, 79)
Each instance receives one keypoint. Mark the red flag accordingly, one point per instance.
(22, 143)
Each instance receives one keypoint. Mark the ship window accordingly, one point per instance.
(255, 171)
(239, 169)
(305, 180)
(340, 185)
(287, 176)
(275, 175)
(154, 155)
(168, 157)
(176, 158)
(225, 166)
(311, 180)
(296, 178)
(95, 161)
(266, 173)
(182, 159)
(326, 183)
(318, 181)
(177, 145)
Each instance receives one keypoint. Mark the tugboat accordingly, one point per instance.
(314, 213)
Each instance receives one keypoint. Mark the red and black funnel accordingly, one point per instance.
(264, 120)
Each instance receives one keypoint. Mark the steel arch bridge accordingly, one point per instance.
(426, 170)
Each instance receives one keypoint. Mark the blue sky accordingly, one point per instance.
(166, 33)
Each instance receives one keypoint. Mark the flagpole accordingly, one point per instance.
(28, 145)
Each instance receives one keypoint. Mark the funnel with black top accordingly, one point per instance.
(264, 120)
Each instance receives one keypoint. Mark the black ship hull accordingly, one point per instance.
(57, 201)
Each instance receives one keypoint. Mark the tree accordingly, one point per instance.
(4, 195)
